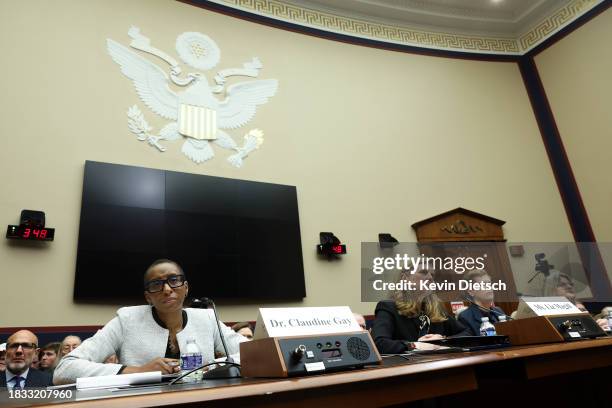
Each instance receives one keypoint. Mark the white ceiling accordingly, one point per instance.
(491, 17)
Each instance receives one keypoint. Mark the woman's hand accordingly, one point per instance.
(165, 365)
(431, 337)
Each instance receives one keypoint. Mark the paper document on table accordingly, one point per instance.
(109, 381)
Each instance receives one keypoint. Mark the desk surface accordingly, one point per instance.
(427, 376)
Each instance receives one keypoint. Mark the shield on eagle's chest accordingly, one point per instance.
(197, 122)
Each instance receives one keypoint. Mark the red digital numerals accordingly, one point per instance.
(36, 233)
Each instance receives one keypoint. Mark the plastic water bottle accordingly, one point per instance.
(190, 359)
(486, 328)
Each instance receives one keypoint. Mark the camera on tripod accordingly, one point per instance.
(542, 264)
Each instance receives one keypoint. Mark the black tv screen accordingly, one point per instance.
(234, 239)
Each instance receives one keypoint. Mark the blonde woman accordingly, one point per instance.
(413, 315)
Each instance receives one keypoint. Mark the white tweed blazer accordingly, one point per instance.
(135, 337)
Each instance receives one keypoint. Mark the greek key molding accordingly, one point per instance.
(412, 37)
(556, 22)
(374, 31)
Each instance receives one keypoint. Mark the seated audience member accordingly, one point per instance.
(560, 284)
(48, 356)
(244, 328)
(2, 354)
(604, 313)
(20, 349)
(602, 318)
(481, 304)
(150, 337)
(35, 362)
(68, 344)
(413, 315)
(360, 321)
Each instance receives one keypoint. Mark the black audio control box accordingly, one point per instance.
(305, 355)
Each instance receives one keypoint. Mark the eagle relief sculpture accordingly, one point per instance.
(196, 112)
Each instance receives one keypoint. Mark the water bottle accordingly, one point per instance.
(191, 358)
(486, 328)
(610, 320)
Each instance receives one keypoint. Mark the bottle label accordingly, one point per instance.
(488, 331)
(191, 361)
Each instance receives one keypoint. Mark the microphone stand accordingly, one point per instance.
(230, 369)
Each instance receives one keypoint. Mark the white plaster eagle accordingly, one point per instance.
(196, 113)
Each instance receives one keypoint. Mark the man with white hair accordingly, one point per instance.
(68, 344)
(20, 349)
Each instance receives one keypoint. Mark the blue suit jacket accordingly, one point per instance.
(472, 318)
(36, 379)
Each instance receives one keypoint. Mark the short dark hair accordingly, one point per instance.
(162, 261)
(55, 346)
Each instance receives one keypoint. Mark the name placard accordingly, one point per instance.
(300, 321)
(545, 306)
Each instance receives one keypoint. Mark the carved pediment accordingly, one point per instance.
(459, 225)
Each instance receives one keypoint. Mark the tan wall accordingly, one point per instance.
(576, 76)
(405, 137)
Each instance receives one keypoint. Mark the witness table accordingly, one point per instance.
(561, 371)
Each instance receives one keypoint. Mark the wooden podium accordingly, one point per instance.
(461, 233)
(550, 329)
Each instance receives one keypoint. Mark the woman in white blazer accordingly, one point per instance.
(149, 338)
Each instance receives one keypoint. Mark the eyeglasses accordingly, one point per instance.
(69, 347)
(25, 346)
(157, 285)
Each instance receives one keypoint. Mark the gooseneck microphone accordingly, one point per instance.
(225, 369)
(230, 369)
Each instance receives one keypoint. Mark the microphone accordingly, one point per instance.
(230, 369)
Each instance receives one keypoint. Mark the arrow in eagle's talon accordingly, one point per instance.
(153, 142)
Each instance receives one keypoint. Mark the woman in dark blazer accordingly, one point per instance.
(410, 317)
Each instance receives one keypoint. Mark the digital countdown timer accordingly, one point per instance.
(27, 232)
(331, 249)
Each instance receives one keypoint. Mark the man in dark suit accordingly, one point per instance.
(20, 349)
(481, 304)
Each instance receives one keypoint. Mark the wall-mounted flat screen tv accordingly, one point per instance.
(235, 239)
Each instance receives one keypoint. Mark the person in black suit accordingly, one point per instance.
(481, 304)
(20, 349)
(412, 315)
